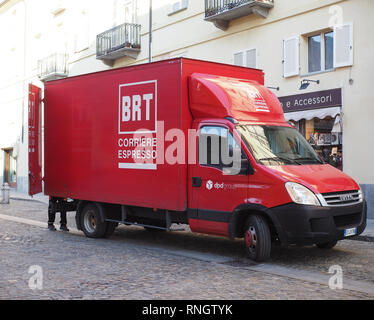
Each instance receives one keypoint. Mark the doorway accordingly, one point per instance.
(10, 168)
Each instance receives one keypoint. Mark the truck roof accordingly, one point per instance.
(241, 99)
(148, 65)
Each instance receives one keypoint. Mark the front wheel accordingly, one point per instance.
(257, 238)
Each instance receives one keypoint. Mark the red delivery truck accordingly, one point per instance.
(185, 141)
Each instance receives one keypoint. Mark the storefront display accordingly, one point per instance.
(320, 123)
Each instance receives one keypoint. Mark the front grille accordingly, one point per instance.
(347, 220)
(344, 198)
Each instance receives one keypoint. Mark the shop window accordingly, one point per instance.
(321, 52)
(325, 136)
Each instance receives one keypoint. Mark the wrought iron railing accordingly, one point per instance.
(213, 7)
(55, 64)
(126, 35)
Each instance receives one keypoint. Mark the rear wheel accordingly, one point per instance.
(327, 245)
(111, 227)
(91, 223)
(257, 238)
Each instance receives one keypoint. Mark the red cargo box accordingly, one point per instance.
(90, 122)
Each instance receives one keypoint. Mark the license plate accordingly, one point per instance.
(350, 232)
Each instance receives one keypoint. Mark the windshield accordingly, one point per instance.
(276, 145)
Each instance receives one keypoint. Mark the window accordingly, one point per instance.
(314, 53)
(321, 52)
(178, 6)
(329, 50)
(219, 149)
(274, 145)
(246, 58)
(130, 11)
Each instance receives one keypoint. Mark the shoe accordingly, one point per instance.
(51, 227)
(63, 227)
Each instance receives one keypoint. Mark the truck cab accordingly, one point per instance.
(282, 191)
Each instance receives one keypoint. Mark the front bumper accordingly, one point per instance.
(302, 224)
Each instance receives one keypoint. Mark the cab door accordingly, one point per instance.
(35, 140)
(216, 189)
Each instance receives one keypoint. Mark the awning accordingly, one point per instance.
(310, 114)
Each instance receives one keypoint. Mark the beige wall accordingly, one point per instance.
(186, 33)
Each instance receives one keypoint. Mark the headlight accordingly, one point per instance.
(361, 194)
(301, 195)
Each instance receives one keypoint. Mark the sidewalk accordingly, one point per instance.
(369, 231)
(14, 195)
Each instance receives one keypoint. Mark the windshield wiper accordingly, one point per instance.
(309, 158)
(281, 159)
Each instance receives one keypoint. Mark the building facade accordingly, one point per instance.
(316, 55)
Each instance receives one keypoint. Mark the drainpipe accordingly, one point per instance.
(24, 71)
(150, 30)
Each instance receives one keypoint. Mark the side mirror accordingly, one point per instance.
(246, 168)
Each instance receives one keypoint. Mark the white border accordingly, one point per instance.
(144, 166)
(119, 106)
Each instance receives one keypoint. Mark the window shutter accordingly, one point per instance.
(343, 45)
(291, 62)
(251, 58)
(184, 4)
(239, 59)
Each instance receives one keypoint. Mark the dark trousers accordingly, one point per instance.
(52, 217)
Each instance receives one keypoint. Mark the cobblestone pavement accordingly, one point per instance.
(136, 264)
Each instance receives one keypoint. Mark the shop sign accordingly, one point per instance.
(312, 100)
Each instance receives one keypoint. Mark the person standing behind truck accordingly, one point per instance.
(52, 217)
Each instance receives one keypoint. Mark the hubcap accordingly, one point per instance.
(90, 221)
(251, 238)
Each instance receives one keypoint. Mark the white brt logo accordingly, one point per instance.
(209, 184)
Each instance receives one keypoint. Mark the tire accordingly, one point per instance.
(327, 245)
(92, 226)
(111, 227)
(257, 238)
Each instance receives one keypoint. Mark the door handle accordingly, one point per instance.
(196, 182)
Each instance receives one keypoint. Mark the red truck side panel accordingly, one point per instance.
(89, 122)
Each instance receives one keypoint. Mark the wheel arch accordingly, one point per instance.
(241, 214)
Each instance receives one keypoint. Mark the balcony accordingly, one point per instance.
(53, 67)
(221, 12)
(120, 41)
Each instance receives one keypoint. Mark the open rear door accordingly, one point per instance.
(35, 140)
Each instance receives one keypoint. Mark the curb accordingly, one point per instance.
(25, 199)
